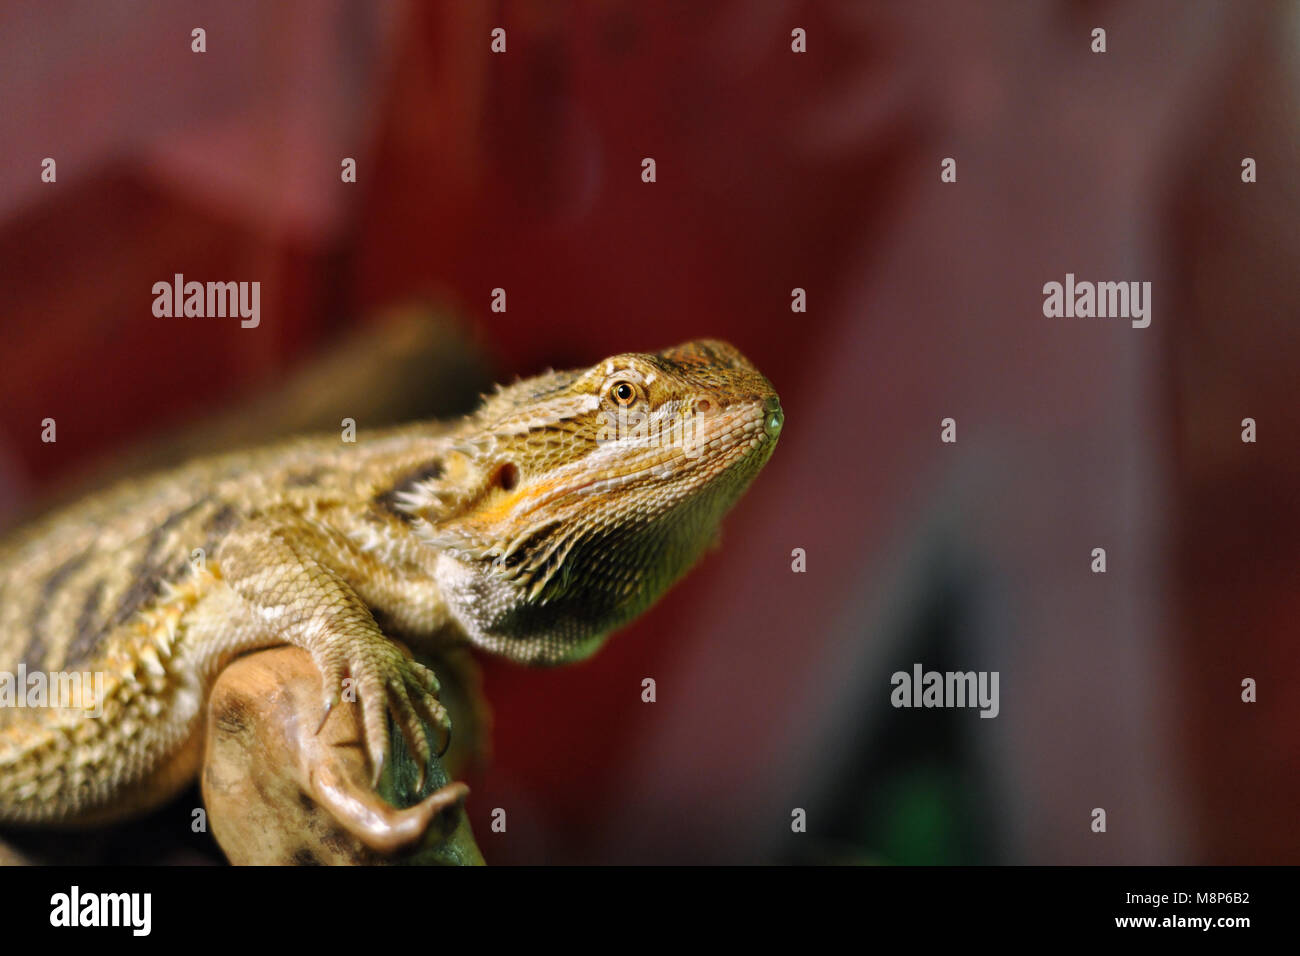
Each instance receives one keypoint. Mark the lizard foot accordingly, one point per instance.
(387, 679)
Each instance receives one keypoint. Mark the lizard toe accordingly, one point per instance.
(408, 721)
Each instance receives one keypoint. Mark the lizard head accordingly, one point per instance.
(575, 499)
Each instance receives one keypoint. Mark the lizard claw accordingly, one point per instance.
(435, 714)
(332, 681)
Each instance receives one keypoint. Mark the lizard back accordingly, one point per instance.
(69, 578)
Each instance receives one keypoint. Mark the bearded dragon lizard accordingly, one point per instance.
(531, 529)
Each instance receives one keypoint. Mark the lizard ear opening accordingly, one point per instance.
(507, 477)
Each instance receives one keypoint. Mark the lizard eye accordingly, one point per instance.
(623, 393)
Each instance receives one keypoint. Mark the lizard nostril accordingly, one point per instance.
(704, 406)
(774, 417)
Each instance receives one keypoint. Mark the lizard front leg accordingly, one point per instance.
(292, 574)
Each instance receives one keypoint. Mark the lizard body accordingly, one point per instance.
(532, 528)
